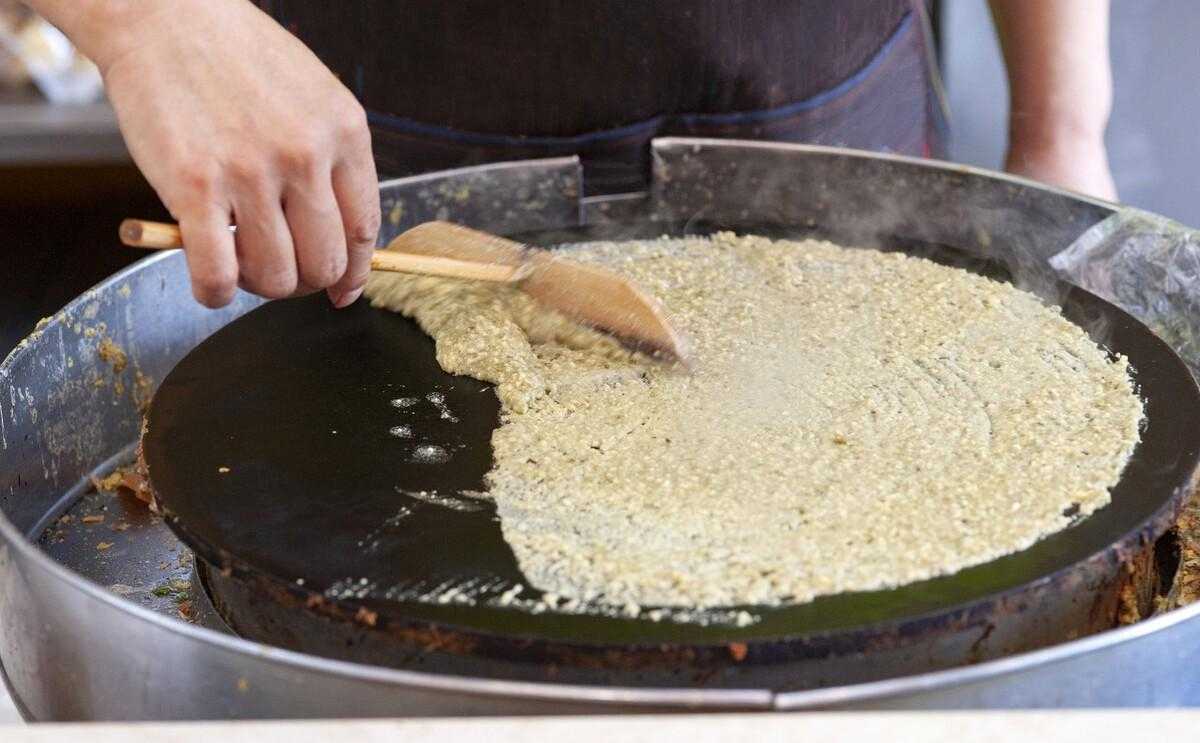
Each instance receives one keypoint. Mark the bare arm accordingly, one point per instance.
(96, 27)
(1060, 86)
(232, 119)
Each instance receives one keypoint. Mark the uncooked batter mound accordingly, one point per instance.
(854, 420)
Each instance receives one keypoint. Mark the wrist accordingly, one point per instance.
(1054, 131)
(1059, 114)
(101, 29)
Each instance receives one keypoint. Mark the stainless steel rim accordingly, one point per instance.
(921, 162)
(672, 697)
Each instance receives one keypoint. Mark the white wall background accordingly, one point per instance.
(1154, 134)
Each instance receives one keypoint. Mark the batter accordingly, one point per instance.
(854, 420)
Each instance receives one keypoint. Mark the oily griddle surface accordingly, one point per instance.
(294, 399)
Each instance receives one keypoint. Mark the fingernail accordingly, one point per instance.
(347, 299)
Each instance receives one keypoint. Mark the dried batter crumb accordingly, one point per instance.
(110, 483)
(143, 390)
(112, 354)
(854, 420)
(129, 478)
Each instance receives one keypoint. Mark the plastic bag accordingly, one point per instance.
(1148, 266)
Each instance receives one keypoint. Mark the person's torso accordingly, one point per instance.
(453, 83)
(564, 67)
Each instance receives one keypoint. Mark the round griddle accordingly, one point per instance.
(271, 447)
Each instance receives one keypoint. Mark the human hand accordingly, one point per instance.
(233, 120)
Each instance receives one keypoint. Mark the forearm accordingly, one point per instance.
(1060, 80)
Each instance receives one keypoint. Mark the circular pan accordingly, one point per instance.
(297, 473)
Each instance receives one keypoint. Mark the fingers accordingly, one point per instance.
(316, 227)
(211, 256)
(266, 254)
(319, 234)
(356, 188)
(306, 210)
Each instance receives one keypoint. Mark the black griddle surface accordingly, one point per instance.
(295, 400)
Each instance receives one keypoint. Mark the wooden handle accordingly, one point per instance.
(432, 265)
(138, 233)
(448, 240)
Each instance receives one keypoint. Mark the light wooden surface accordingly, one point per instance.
(910, 727)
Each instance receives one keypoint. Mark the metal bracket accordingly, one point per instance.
(504, 198)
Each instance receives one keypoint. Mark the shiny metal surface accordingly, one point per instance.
(503, 198)
(995, 215)
(73, 650)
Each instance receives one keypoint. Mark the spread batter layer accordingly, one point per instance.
(854, 420)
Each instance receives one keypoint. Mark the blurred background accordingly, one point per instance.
(66, 179)
(65, 176)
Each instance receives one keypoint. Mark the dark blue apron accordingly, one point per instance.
(453, 83)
